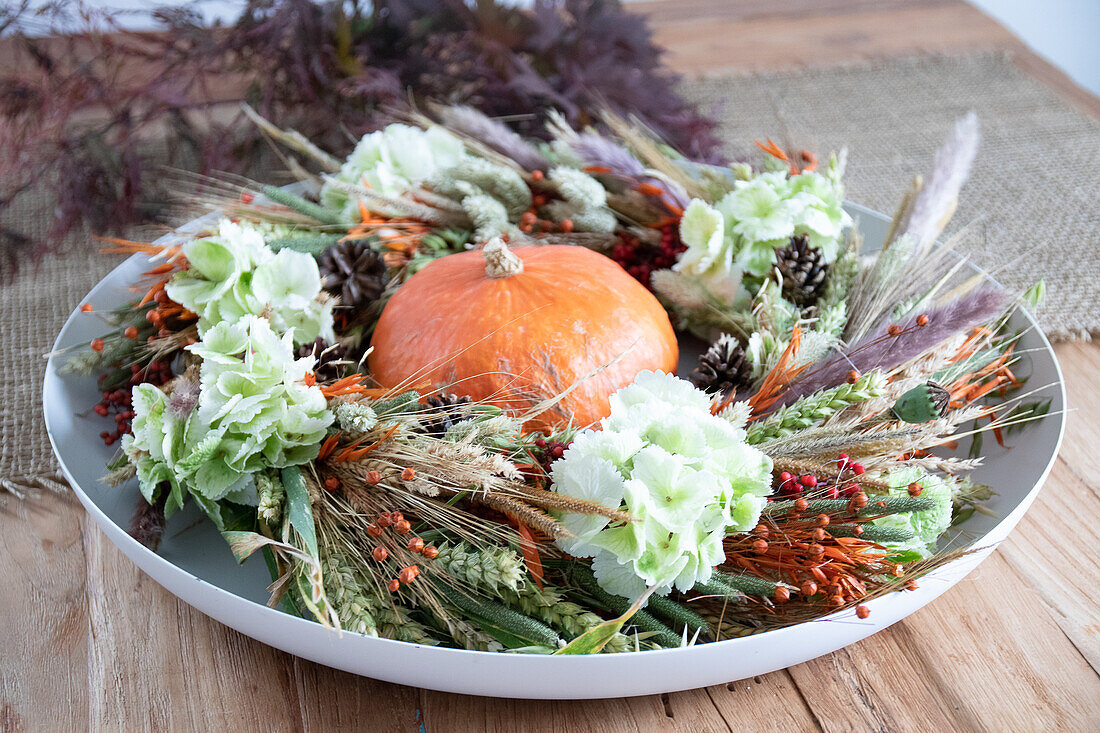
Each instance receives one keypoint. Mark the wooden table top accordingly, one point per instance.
(87, 641)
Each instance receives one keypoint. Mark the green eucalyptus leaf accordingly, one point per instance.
(299, 511)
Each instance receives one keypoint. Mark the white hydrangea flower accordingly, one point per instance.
(709, 255)
(255, 410)
(759, 215)
(234, 274)
(685, 476)
(393, 160)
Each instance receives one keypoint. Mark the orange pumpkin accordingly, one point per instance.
(518, 326)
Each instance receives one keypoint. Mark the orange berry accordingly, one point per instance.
(408, 474)
(566, 225)
(408, 575)
(402, 527)
(853, 377)
(760, 546)
(130, 332)
(819, 534)
(801, 505)
(416, 544)
(332, 483)
(97, 344)
(384, 519)
(808, 588)
(380, 553)
(537, 175)
(782, 594)
(822, 520)
(431, 552)
(894, 330)
(394, 585)
(863, 611)
(922, 320)
(374, 530)
(86, 308)
(373, 477)
(915, 489)
(816, 549)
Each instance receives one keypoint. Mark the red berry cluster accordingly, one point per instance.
(829, 487)
(550, 451)
(119, 403)
(640, 260)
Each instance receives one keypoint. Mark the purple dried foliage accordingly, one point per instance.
(325, 68)
(879, 350)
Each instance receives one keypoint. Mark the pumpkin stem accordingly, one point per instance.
(499, 260)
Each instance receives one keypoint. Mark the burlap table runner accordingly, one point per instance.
(1034, 194)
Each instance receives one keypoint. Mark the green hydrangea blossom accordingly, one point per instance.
(709, 257)
(234, 274)
(927, 525)
(686, 476)
(759, 215)
(391, 161)
(254, 410)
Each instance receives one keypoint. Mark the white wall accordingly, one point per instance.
(1064, 32)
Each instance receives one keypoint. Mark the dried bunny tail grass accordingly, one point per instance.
(936, 201)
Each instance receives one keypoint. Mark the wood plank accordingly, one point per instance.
(773, 700)
(43, 615)
(689, 712)
(156, 664)
(984, 656)
(770, 43)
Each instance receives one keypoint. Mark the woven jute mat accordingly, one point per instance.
(1033, 199)
(1032, 205)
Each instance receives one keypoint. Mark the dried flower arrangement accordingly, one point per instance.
(416, 383)
(88, 107)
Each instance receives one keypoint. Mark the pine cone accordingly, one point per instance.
(333, 362)
(723, 368)
(354, 271)
(802, 271)
(446, 410)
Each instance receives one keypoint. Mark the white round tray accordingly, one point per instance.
(195, 564)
